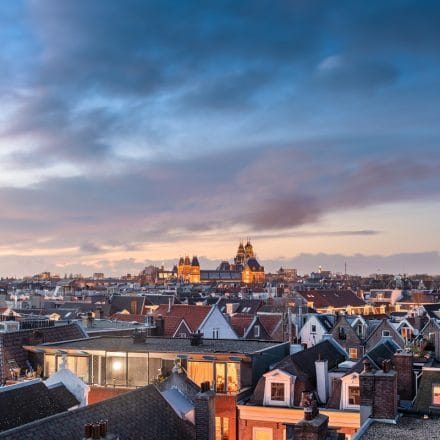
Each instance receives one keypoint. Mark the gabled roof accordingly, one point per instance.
(332, 298)
(28, 402)
(303, 362)
(384, 350)
(240, 322)
(192, 315)
(142, 414)
(423, 401)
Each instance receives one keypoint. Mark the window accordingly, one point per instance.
(353, 353)
(313, 328)
(386, 333)
(359, 330)
(215, 333)
(137, 370)
(49, 364)
(200, 372)
(223, 377)
(79, 365)
(436, 394)
(116, 369)
(262, 434)
(220, 378)
(257, 331)
(353, 396)
(406, 332)
(221, 428)
(342, 334)
(182, 335)
(133, 307)
(277, 391)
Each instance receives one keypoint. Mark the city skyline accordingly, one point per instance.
(135, 133)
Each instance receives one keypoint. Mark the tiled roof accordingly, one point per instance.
(304, 361)
(423, 402)
(26, 403)
(271, 322)
(192, 314)
(240, 322)
(139, 414)
(128, 317)
(332, 298)
(60, 394)
(12, 343)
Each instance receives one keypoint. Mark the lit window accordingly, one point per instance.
(200, 372)
(221, 428)
(220, 378)
(436, 394)
(406, 332)
(353, 353)
(262, 434)
(353, 396)
(277, 391)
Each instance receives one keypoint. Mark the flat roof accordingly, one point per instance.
(158, 345)
(407, 428)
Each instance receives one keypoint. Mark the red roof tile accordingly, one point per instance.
(240, 322)
(192, 314)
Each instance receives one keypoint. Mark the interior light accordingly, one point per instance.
(117, 365)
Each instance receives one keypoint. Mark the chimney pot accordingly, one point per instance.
(96, 432)
(87, 430)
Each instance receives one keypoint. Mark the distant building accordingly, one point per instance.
(245, 269)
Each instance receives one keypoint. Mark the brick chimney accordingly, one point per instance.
(403, 364)
(205, 413)
(378, 392)
(313, 426)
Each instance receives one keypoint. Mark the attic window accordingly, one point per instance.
(277, 391)
(353, 396)
(386, 333)
(313, 328)
(257, 331)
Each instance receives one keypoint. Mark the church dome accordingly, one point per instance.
(195, 261)
(187, 262)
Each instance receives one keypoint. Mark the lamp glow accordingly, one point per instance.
(117, 365)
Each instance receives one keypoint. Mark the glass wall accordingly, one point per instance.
(224, 377)
(49, 364)
(76, 364)
(116, 369)
(137, 370)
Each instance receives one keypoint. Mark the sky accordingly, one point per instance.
(134, 132)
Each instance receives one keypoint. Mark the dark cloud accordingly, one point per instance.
(175, 117)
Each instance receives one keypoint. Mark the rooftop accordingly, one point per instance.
(407, 428)
(157, 344)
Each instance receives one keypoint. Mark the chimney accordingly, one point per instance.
(403, 363)
(87, 320)
(313, 426)
(205, 413)
(321, 368)
(378, 392)
(196, 338)
(96, 431)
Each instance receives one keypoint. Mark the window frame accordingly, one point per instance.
(279, 385)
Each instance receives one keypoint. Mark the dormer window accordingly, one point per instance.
(386, 333)
(277, 391)
(313, 328)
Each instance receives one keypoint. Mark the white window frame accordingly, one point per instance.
(386, 331)
(256, 331)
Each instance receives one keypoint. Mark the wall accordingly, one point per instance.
(216, 320)
(306, 332)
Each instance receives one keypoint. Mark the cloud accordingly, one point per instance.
(146, 122)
